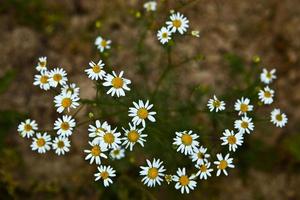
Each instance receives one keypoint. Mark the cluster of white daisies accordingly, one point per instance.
(177, 23)
(187, 144)
(67, 97)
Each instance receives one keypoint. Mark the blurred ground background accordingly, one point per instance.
(65, 30)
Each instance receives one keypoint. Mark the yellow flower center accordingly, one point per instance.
(133, 136)
(279, 117)
(104, 175)
(142, 113)
(200, 155)
(44, 79)
(109, 138)
(176, 23)
(152, 173)
(40, 142)
(223, 164)
(216, 103)
(116, 152)
(269, 75)
(203, 168)
(42, 64)
(244, 124)
(60, 144)
(57, 77)
(65, 126)
(231, 139)
(267, 94)
(164, 35)
(244, 107)
(117, 82)
(96, 69)
(27, 127)
(184, 180)
(96, 151)
(103, 43)
(186, 139)
(66, 102)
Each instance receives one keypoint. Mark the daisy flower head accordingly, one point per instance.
(186, 142)
(232, 139)
(244, 125)
(98, 128)
(72, 88)
(58, 76)
(42, 64)
(215, 104)
(153, 172)
(200, 156)
(42, 80)
(102, 44)
(204, 170)
(105, 172)
(266, 95)
(117, 153)
(169, 178)
(27, 128)
(150, 6)
(117, 83)
(65, 101)
(243, 106)
(140, 112)
(109, 138)
(223, 163)
(64, 125)
(95, 71)
(95, 153)
(41, 143)
(268, 76)
(178, 23)
(61, 145)
(184, 182)
(164, 35)
(278, 118)
(132, 136)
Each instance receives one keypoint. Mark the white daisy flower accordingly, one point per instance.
(186, 142)
(140, 112)
(195, 33)
(184, 182)
(133, 136)
(150, 6)
(65, 125)
(200, 156)
(110, 138)
(95, 153)
(27, 128)
(244, 125)
(164, 35)
(65, 101)
(204, 170)
(231, 139)
(102, 44)
(152, 173)
(278, 118)
(95, 71)
(215, 104)
(117, 83)
(95, 131)
(61, 145)
(223, 164)
(266, 95)
(72, 88)
(41, 143)
(42, 64)
(243, 106)
(178, 23)
(117, 154)
(42, 80)
(57, 76)
(268, 76)
(105, 172)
